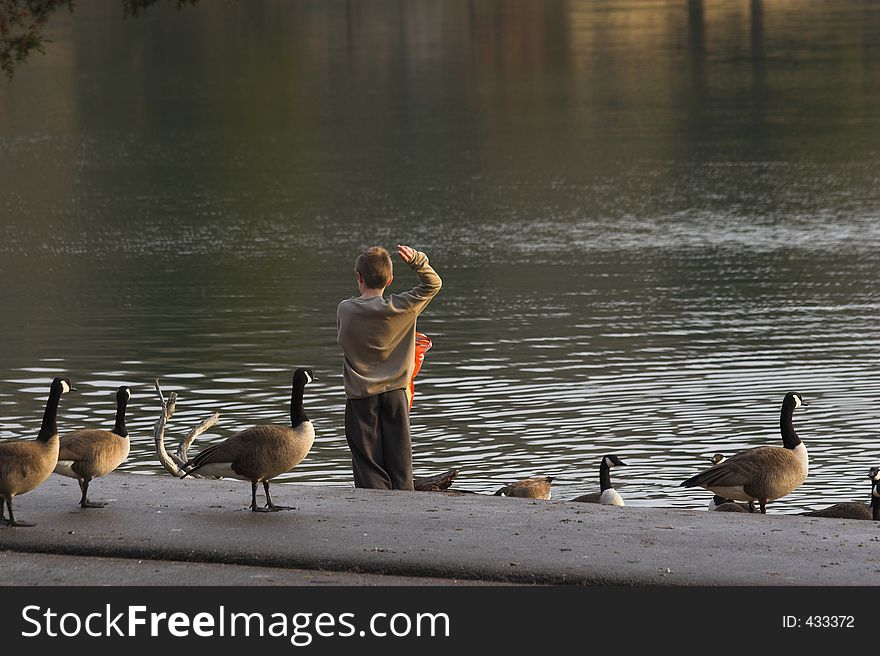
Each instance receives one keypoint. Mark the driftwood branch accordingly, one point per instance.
(174, 462)
(435, 483)
(186, 442)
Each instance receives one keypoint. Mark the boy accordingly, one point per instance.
(377, 336)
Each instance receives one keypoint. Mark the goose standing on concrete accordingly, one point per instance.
(261, 453)
(606, 495)
(854, 509)
(763, 473)
(26, 464)
(528, 488)
(90, 453)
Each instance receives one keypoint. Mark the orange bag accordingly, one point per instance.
(423, 343)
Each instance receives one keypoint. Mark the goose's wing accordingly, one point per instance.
(14, 459)
(533, 487)
(237, 446)
(13, 451)
(593, 497)
(846, 510)
(742, 469)
(81, 444)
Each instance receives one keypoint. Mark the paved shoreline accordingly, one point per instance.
(205, 526)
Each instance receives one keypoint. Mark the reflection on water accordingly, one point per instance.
(652, 219)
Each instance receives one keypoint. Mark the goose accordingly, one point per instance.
(606, 495)
(26, 464)
(854, 509)
(764, 473)
(260, 453)
(529, 488)
(90, 453)
(719, 503)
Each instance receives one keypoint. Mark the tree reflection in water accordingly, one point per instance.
(22, 23)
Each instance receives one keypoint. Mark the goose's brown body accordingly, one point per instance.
(846, 510)
(259, 453)
(24, 465)
(91, 453)
(528, 488)
(763, 473)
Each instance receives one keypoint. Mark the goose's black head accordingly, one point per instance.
(612, 461)
(303, 376)
(61, 386)
(718, 458)
(794, 401)
(874, 474)
(123, 394)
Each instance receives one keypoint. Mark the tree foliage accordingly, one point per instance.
(22, 23)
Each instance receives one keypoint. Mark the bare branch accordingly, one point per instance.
(174, 462)
(186, 442)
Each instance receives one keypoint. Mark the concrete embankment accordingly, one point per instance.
(204, 528)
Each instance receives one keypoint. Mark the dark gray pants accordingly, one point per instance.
(377, 430)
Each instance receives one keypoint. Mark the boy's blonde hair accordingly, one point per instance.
(375, 267)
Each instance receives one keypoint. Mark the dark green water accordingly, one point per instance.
(652, 220)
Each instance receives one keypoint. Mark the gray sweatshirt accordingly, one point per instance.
(378, 335)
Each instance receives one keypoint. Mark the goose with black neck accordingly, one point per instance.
(764, 473)
(90, 453)
(260, 453)
(26, 464)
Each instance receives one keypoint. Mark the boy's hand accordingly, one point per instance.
(406, 253)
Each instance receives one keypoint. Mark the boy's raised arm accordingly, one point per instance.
(429, 281)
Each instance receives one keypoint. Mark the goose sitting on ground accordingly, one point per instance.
(854, 509)
(91, 453)
(606, 495)
(26, 464)
(719, 503)
(763, 473)
(528, 488)
(261, 453)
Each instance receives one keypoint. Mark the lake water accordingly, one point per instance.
(652, 219)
